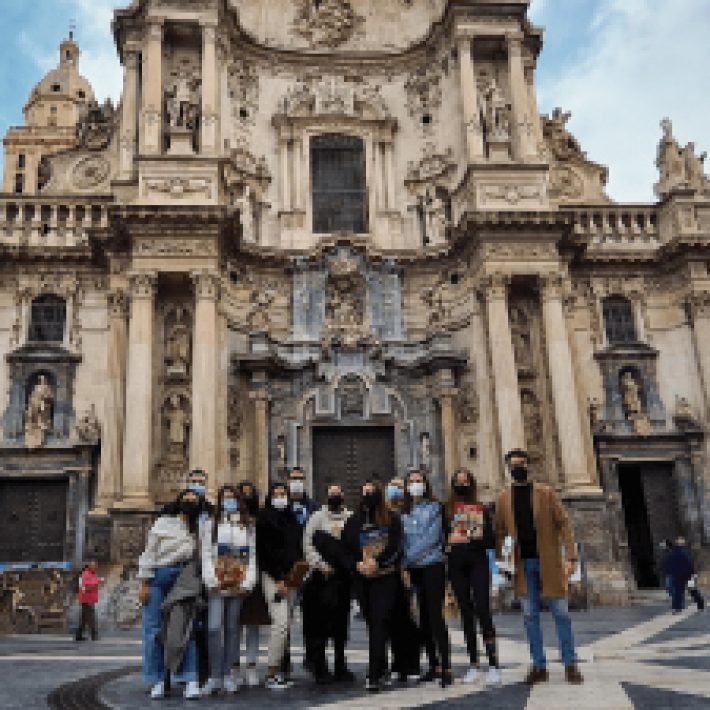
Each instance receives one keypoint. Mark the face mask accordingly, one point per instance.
(370, 500)
(198, 488)
(462, 491)
(416, 489)
(296, 487)
(230, 505)
(335, 503)
(394, 493)
(190, 508)
(519, 474)
(280, 502)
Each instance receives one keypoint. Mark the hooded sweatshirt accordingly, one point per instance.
(169, 544)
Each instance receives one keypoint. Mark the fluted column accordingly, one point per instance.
(138, 436)
(575, 465)
(209, 90)
(260, 398)
(203, 445)
(129, 114)
(447, 394)
(114, 405)
(505, 374)
(152, 90)
(522, 125)
(469, 97)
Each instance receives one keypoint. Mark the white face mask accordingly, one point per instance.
(280, 503)
(296, 487)
(416, 489)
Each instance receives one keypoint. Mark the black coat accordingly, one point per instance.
(279, 542)
(390, 557)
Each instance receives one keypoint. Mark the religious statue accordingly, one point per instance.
(679, 167)
(496, 112)
(88, 427)
(425, 450)
(245, 205)
(630, 392)
(183, 102)
(434, 217)
(281, 451)
(178, 420)
(38, 416)
(177, 347)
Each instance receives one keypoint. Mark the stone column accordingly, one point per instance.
(109, 484)
(469, 98)
(260, 397)
(564, 390)
(203, 444)
(138, 436)
(285, 148)
(505, 374)
(129, 114)
(447, 398)
(522, 124)
(152, 90)
(389, 170)
(209, 91)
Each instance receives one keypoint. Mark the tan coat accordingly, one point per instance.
(553, 529)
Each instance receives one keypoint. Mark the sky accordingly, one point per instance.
(619, 66)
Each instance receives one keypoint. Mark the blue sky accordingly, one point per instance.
(620, 66)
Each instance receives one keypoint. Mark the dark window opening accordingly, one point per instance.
(56, 88)
(81, 94)
(49, 314)
(426, 119)
(243, 113)
(619, 321)
(455, 278)
(19, 184)
(339, 186)
(21, 161)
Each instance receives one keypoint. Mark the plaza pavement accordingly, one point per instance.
(637, 658)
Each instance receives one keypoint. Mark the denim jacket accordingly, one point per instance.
(424, 535)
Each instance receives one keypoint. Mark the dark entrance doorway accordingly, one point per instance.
(650, 503)
(32, 520)
(349, 456)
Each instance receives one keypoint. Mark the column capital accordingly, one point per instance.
(514, 40)
(154, 28)
(130, 58)
(495, 286)
(207, 284)
(118, 304)
(143, 284)
(553, 287)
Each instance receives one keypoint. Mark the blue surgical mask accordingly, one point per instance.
(230, 505)
(198, 488)
(394, 493)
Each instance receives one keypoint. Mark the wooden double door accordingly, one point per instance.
(349, 456)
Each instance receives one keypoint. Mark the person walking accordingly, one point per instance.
(170, 547)
(279, 546)
(326, 595)
(89, 584)
(533, 515)
(470, 537)
(679, 569)
(229, 574)
(424, 540)
(372, 537)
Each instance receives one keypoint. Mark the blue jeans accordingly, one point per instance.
(252, 644)
(531, 615)
(678, 594)
(222, 636)
(153, 656)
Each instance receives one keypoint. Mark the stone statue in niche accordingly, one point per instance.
(496, 112)
(177, 346)
(425, 450)
(38, 415)
(630, 394)
(435, 217)
(520, 333)
(281, 451)
(178, 421)
(245, 204)
(88, 427)
(183, 101)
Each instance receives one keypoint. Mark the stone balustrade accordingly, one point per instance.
(37, 222)
(618, 228)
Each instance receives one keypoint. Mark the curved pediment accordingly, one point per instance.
(322, 25)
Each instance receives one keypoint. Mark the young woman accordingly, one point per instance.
(373, 538)
(471, 535)
(229, 574)
(279, 545)
(424, 541)
(89, 584)
(171, 545)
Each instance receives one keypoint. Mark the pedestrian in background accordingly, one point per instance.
(679, 569)
(89, 584)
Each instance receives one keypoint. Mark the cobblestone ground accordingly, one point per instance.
(636, 658)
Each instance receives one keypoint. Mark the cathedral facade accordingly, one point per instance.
(339, 234)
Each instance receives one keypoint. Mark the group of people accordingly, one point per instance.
(212, 573)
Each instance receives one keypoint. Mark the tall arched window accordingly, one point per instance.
(339, 185)
(619, 320)
(49, 315)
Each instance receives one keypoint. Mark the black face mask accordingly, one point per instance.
(370, 500)
(519, 474)
(190, 508)
(462, 491)
(335, 503)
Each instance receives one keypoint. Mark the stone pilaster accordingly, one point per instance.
(469, 98)
(129, 114)
(525, 149)
(138, 439)
(260, 398)
(576, 469)
(447, 394)
(109, 484)
(203, 445)
(152, 90)
(209, 90)
(505, 375)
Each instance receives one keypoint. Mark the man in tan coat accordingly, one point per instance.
(534, 517)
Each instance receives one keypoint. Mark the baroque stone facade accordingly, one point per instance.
(340, 235)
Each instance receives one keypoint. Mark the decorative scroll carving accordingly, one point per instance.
(88, 427)
(243, 85)
(433, 166)
(424, 92)
(90, 172)
(96, 126)
(326, 23)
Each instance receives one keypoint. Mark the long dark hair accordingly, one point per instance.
(454, 498)
(192, 523)
(248, 499)
(272, 487)
(218, 516)
(428, 494)
(383, 514)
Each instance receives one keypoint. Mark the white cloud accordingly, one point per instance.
(537, 8)
(642, 60)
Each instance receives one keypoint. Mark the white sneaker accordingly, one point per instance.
(192, 690)
(252, 678)
(229, 685)
(494, 677)
(471, 675)
(211, 687)
(277, 682)
(158, 691)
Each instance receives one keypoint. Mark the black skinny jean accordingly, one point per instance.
(378, 596)
(471, 581)
(430, 586)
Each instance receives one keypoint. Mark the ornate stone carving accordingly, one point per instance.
(90, 172)
(96, 126)
(243, 85)
(513, 194)
(436, 222)
(162, 246)
(495, 111)
(88, 427)
(424, 92)
(561, 143)
(565, 183)
(38, 415)
(326, 23)
(207, 284)
(176, 415)
(680, 168)
(432, 167)
(467, 406)
(262, 299)
(182, 98)
(178, 343)
(178, 187)
(143, 284)
(118, 304)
